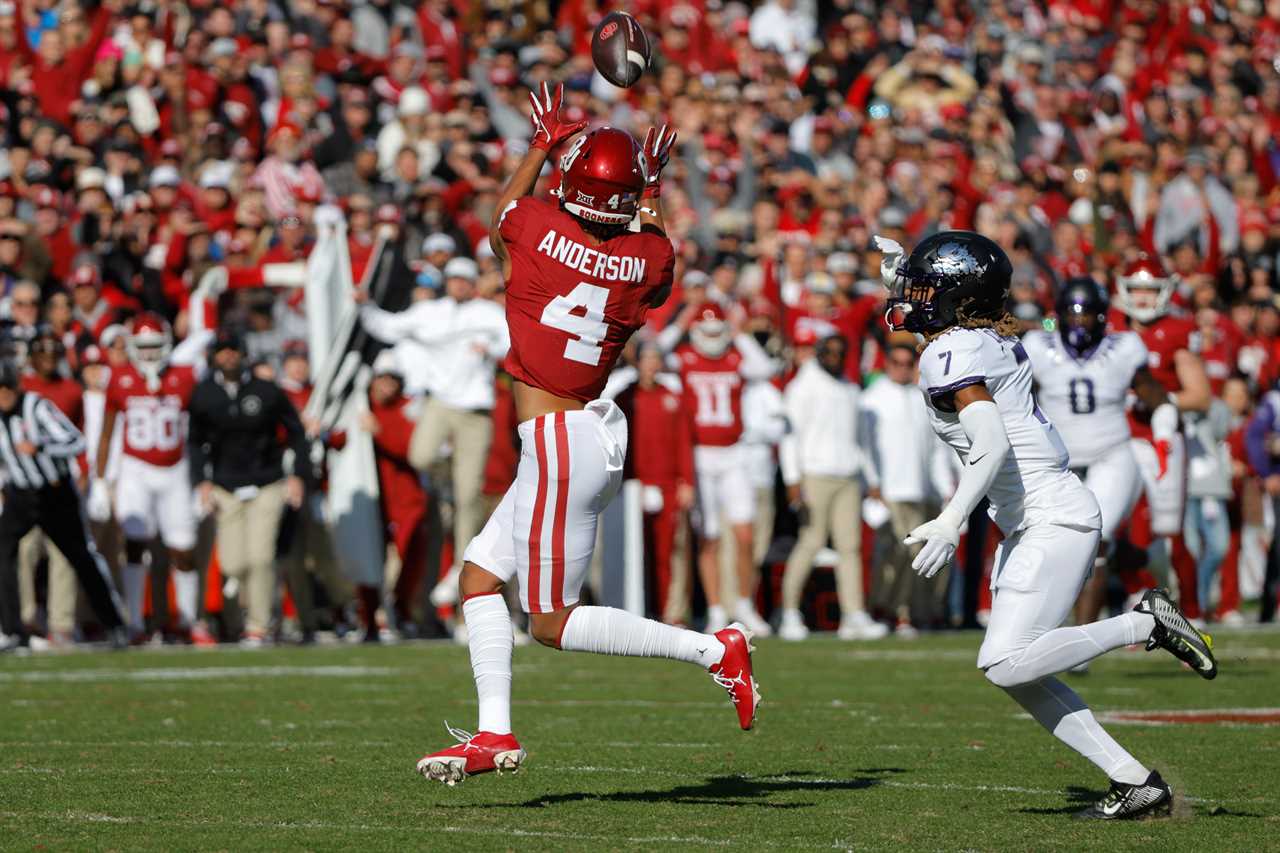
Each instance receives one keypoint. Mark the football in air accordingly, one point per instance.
(620, 49)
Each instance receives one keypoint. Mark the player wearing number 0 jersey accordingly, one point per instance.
(1084, 376)
(977, 381)
(579, 282)
(153, 492)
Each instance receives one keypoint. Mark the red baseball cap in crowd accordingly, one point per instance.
(85, 275)
(805, 336)
(388, 213)
(46, 197)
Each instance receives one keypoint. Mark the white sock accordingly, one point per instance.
(715, 615)
(609, 631)
(1057, 707)
(490, 638)
(135, 587)
(1062, 648)
(186, 588)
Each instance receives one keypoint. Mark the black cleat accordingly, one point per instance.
(1153, 798)
(1176, 634)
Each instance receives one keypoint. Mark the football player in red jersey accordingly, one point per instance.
(715, 367)
(1144, 291)
(579, 282)
(154, 491)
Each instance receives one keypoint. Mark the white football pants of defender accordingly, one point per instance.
(1167, 495)
(1037, 577)
(152, 497)
(544, 529)
(724, 488)
(1117, 483)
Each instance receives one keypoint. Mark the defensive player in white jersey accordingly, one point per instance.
(1084, 375)
(977, 382)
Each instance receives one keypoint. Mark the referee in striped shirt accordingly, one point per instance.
(38, 446)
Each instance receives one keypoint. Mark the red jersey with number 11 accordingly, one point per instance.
(572, 304)
(154, 422)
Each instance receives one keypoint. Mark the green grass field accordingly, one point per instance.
(858, 746)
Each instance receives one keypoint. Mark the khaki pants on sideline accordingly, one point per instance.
(835, 510)
(470, 433)
(247, 532)
(679, 589)
(893, 578)
(61, 601)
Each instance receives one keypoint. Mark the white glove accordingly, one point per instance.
(940, 537)
(1164, 422)
(893, 252)
(99, 502)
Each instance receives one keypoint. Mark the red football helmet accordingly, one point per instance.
(710, 333)
(149, 344)
(602, 177)
(1145, 275)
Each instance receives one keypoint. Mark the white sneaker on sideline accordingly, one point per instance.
(446, 591)
(460, 633)
(859, 626)
(1233, 618)
(747, 615)
(904, 630)
(716, 619)
(792, 626)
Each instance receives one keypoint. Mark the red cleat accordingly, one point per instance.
(733, 673)
(200, 636)
(475, 753)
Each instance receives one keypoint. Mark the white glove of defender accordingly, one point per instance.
(940, 537)
(893, 252)
(99, 502)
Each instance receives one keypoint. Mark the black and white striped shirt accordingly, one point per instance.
(57, 441)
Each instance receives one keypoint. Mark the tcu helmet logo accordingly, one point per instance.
(954, 258)
(608, 30)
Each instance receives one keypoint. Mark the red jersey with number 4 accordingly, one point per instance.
(572, 304)
(1164, 337)
(155, 423)
(713, 393)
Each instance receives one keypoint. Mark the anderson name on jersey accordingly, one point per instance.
(1085, 398)
(571, 306)
(1033, 486)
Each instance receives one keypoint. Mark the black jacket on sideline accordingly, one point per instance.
(235, 432)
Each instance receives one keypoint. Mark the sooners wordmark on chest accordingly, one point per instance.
(592, 262)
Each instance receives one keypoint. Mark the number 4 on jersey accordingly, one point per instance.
(588, 327)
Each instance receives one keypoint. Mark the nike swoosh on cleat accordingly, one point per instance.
(979, 459)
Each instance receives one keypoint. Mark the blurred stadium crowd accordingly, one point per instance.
(146, 143)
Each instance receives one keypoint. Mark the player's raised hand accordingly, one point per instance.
(549, 127)
(657, 151)
(940, 539)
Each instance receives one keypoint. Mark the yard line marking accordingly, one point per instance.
(204, 673)
(87, 817)
(640, 744)
(188, 744)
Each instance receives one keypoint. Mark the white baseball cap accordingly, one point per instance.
(414, 102)
(439, 242)
(385, 363)
(165, 176)
(462, 268)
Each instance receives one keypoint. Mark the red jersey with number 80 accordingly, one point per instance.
(573, 304)
(154, 422)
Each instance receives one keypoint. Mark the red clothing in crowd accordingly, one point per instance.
(57, 87)
(403, 500)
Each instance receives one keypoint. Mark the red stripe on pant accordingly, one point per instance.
(534, 593)
(562, 509)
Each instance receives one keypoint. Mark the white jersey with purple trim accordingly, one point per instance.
(1085, 397)
(1033, 486)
